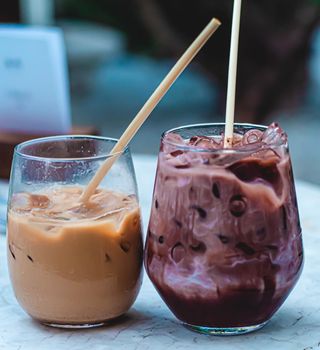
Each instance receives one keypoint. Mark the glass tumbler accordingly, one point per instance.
(224, 246)
(73, 264)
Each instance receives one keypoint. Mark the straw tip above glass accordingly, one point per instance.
(215, 21)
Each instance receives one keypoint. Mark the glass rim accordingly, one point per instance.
(18, 148)
(222, 150)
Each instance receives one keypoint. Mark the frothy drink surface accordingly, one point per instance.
(224, 244)
(74, 264)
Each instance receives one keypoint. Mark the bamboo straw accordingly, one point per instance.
(149, 106)
(232, 79)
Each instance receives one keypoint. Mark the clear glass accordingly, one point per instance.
(224, 246)
(73, 264)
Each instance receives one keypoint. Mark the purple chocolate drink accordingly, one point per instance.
(224, 246)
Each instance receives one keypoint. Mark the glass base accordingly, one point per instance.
(224, 331)
(75, 326)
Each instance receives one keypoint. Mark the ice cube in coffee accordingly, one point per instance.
(224, 247)
(71, 263)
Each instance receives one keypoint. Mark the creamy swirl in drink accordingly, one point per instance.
(74, 264)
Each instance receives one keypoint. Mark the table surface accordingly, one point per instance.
(150, 324)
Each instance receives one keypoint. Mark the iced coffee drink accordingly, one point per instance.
(71, 263)
(224, 246)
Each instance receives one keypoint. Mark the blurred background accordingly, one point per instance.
(119, 50)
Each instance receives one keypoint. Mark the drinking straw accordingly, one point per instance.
(149, 106)
(232, 77)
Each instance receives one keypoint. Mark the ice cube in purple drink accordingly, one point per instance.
(274, 135)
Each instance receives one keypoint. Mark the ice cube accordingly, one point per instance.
(252, 136)
(39, 201)
(21, 201)
(174, 138)
(274, 135)
(171, 142)
(179, 162)
(267, 154)
(258, 170)
(236, 141)
(205, 142)
(228, 158)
